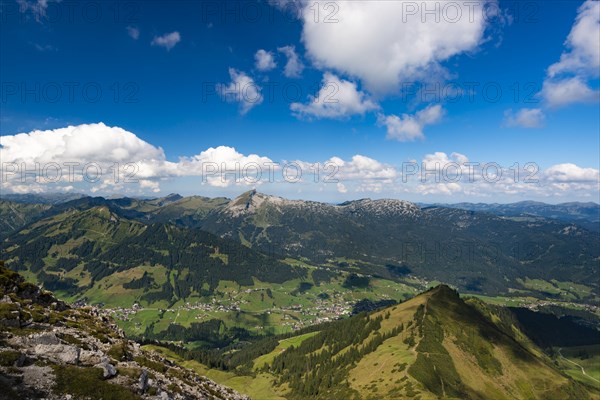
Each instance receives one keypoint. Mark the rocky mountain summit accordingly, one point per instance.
(253, 202)
(51, 351)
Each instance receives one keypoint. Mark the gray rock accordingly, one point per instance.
(164, 396)
(21, 361)
(143, 381)
(90, 358)
(61, 352)
(46, 338)
(109, 370)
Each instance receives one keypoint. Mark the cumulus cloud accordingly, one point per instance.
(562, 92)
(224, 166)
(583, 44)
(524, 118)
(407, 127)
(134, 32)
(381, 42)
(441, 175)
(168, 40)
(264, 60)
(362, 168)
(294, 66)
(242, 89)
(95, 142)
(337, 98)
(567, 80)
(103, 147)
(571, 173)
(109, 155)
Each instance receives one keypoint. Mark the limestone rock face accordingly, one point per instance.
(61, 353)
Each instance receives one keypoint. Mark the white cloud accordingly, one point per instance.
(83, 145)
(567, 80)
(337, 98)
(525, 118)
(439, 160)
(151, 185)
(440, 188)
(571, 173)
(168, 40)
(93, 142)
(410, 127)
(558, 93)
(455, 176)
(223, 165)
(264, 60)
(363, 168)
(294, 67)
(583, 43)
(242, 89)
(134, 32)
(225, 168)
(381, 42)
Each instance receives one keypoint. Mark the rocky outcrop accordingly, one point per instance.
(108, 369)
(48, 350)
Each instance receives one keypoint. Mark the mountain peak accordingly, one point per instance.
(171, 198)
(250, 201)
(382, 207)
(444, 291)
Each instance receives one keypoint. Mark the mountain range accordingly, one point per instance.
(583, 214)
(289, 299)
(476, 251)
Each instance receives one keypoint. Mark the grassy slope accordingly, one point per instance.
(259, 387)
(588, 357)
(486, 361)
(283, 346)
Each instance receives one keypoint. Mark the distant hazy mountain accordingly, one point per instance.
(42, 198)
(586, 215)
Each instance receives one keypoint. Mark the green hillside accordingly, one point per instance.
(478, 252)
(433, 346)
(15, 215)
(174, 283)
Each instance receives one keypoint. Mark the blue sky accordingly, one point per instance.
(153, 63)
